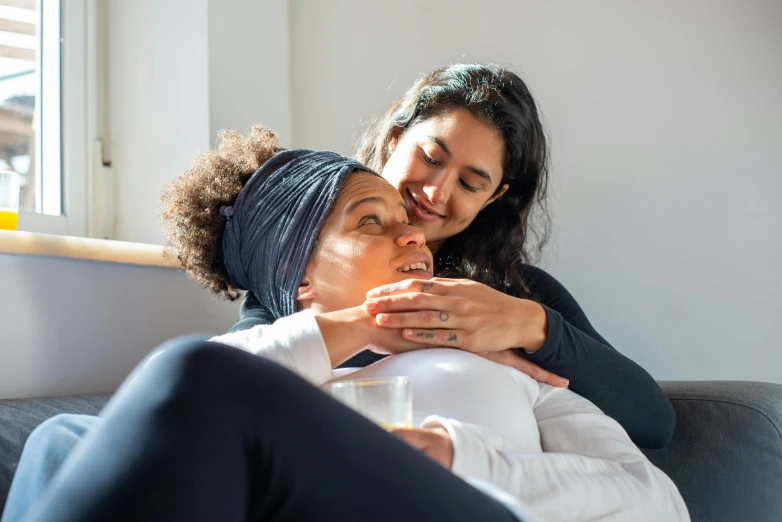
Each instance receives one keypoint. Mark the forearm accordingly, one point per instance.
(529, 324)
(572, 488)
(589, 469)
(306, 343)
(622, 389)
(345, 333)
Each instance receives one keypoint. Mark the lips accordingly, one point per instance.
(420, 210)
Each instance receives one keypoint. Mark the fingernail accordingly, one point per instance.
(407, 332)
(370, 306)
(565, 383)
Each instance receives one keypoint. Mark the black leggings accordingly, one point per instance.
(201, 431)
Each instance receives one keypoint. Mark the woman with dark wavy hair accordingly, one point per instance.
(466, 148)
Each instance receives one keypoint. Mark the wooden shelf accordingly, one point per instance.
(27, 243)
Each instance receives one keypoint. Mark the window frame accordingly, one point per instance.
(78, 107)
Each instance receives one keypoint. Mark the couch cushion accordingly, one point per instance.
(18, 417)
(726, 453)
(725, 457)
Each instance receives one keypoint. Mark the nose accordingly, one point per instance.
(438, 188)
(410, 235)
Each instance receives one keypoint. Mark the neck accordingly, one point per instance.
(434, 246)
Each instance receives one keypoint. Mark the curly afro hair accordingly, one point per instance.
(192, 223)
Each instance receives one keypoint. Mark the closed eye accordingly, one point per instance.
(468, 187)
(430, 160)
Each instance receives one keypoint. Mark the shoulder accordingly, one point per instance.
(536, 275)
(545, 287)
(550, 293)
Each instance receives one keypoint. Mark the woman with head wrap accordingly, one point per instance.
(466, 149)
(232, 429)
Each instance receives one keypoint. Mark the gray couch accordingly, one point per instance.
(726, 454)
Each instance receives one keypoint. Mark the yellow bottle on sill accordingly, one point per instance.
(8, 219)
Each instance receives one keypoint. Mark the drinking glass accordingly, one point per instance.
(9, 200)
(387, 401)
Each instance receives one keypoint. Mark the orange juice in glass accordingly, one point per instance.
(9, 200)
(386, 401)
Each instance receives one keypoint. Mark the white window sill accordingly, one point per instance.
(33, 244)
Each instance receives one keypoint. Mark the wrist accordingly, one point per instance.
(532, 329)
(345, 332)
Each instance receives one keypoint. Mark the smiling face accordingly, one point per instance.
(367, 241)
(447, 168)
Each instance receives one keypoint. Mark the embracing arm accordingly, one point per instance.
(254, 313)
(555, 335)
(308, 344)
(614, 383)
(589, 468)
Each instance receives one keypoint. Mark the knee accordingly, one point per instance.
(63, 429)
(190, 359)
(196, 372)
(205, 374)
(54, 439)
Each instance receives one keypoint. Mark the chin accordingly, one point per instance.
(412, 274)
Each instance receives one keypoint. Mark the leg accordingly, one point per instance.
(206, 432)
(46, 449)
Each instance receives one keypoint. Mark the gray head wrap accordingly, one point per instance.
(272, 226)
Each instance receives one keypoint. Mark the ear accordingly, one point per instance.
(497, 196)
(396, 133)
(306, 293)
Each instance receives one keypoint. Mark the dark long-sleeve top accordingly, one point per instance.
(574, 350)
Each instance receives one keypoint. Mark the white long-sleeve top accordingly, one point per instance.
(545, 452)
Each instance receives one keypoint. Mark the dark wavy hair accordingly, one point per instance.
(512, 230)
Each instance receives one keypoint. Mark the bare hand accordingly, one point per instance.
(435, 442)
(513, 360)
(458, 313)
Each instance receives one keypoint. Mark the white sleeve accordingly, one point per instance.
(294, 342)
(589, 468)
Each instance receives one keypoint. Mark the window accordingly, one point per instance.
(44, 110)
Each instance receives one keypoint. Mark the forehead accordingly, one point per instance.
(465, 135)
(363, 184)
(462, 123)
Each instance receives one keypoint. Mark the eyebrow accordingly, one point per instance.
(474, 170)
(369, 200)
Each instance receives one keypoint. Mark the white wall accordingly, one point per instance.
(159, 83)
(665, 121)
(179, 71)
(249, 66)
(73, 327)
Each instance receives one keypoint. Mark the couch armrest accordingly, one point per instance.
(726, 452)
